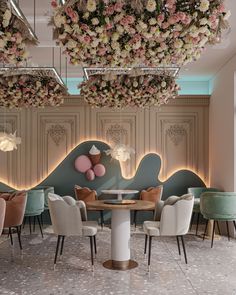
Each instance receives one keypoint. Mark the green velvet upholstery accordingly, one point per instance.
(47, 190)
(197, 191)
(218, 206)
(35, 202)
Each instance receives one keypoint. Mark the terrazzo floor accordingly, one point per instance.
(209, 271)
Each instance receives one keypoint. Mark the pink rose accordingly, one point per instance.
(118, 7)
(130, 19)
(102, 51)
(173, 19)
(109, 10)
(87, 39)
(54, 3)
(68, 10)
(108, 26)
(176, 34)
(160, 18)
(124, 21)
(165, 25)
(187, 20)
(221, 8)
(74, 17)
(181, 16)
(84, 27)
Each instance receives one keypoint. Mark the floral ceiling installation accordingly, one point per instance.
(24, 87)
(137, 32)
(134, 89)
(14, 34)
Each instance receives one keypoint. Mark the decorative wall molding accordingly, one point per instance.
(116, 133)
(57, 133)
(177, 131)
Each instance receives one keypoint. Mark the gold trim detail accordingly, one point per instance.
(120, 265)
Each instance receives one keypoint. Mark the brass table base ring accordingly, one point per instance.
(120, 265)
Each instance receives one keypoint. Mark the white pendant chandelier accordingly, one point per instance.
(120, 152)
(9, 141)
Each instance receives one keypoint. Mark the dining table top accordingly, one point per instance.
(134, 205)
(119, 191)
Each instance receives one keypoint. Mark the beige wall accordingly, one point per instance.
(222, 132)
(177, 131)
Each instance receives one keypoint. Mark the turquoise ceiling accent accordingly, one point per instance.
(189, 85)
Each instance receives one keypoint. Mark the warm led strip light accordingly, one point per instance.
(122, 169)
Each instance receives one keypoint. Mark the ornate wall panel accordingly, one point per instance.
(177, 131)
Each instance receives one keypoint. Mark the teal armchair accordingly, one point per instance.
(218, 206)
(196, 192)
(46, 190)
(35, 207)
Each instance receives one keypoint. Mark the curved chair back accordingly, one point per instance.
(65, 215)
(175, 218)
(197, 191)
(47, 190)
(15, 208)
(218, 205)
(152, 194)
(85, 194)
(2, 213)
(35, 202)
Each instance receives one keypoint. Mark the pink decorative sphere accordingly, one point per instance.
(99, 170)
(90, 175)
(83, 163)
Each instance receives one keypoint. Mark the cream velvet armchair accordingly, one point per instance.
(175, 216)
(66, 216)
(2, 213)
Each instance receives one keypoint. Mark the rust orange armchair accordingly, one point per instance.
(86, 194)
(2, 214)
(15, 209)
(152, 194)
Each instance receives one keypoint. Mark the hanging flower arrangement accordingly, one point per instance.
(137, 32)
(30, 89)
(14, 35)
(120, 91)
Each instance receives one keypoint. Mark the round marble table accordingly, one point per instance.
(120, 231)
(119, 192)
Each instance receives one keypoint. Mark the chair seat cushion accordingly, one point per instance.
(151, 228)
(89, 230)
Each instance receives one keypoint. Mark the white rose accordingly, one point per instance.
(95, 43)
(5, 23)
(115, 36)
(120, 29)
(91, 5)
(204, 5)
(115, 45)
(95, 21)
(68, 28)
(71, 44)
(151, 5)
(203, 21)
(2, 44)
(178, 43)
(163, 84)
(152, 21)
(99, 30)
(127, 47)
